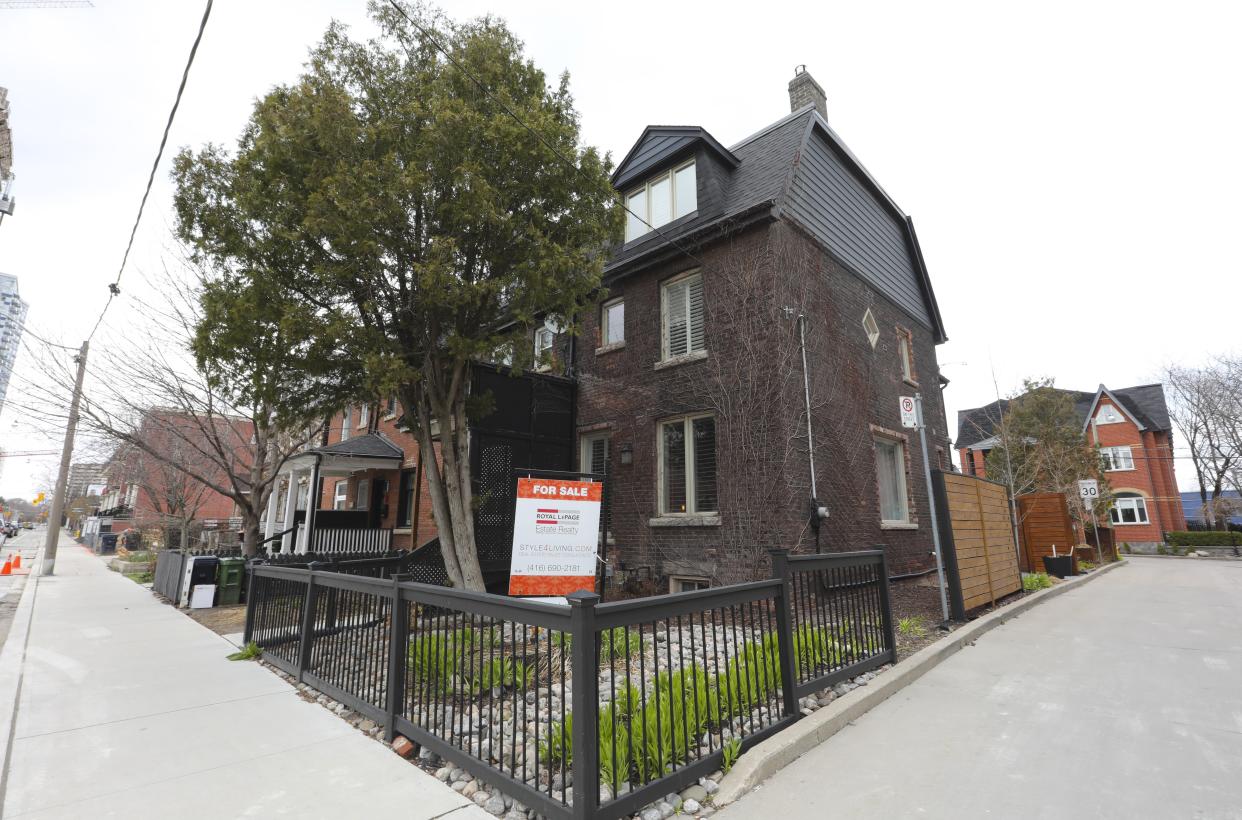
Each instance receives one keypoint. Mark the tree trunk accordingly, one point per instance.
(250, 534)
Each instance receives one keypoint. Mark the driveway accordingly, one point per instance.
(1120, 699)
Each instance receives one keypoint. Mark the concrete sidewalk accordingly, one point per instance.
(129, 709)
(1123, 699)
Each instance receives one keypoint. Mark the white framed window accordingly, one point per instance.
(1117, 458)
(364, 416)
(687, 465)
(612, 323)
(679, 583)
(340, 494)
(593, 456)
(663, 198)
(545, 340)
(1108, 415)
(871, 328)
(346, 420)
(362, 498)
(390, 405)
(890, 469)
(681, 316)
(1129, 509)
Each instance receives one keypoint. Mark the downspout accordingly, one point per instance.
(818, 513)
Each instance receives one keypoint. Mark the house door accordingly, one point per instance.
(378, 508)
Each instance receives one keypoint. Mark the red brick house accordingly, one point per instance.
(1132, 429)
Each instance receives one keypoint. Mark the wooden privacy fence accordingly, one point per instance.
(976, 538)
(1044, 522)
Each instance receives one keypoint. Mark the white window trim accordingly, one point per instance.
(390, 414)
(584, 448)
(646, 226)
(362, 498)
(340, 494)
(902, 484)
(689, 355)
(364, 416)
(346, 417)
(550, 326)
(871, 327)
(605, 345)
(1141, 504)
(675, 582)
(1110, 454)
(688, 443)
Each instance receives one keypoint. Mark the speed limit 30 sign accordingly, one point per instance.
(1089, 489)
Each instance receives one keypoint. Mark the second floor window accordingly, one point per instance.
(681, 315)
(1117, 458)
(905, 351)
(545, 341)
(364, 415)
(687, 472)
(668, 196)
(345, 422)
(612, 323)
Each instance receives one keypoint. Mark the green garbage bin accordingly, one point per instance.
(229, 577)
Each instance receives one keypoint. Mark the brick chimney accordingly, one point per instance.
(803, 90)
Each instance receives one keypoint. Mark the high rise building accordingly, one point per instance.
(12, 323)
(83, 477)
(6, 156)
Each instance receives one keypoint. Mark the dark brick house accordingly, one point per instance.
(690, 375)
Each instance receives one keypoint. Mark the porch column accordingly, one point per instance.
(312, 505)
(291, 506)
(269, 515)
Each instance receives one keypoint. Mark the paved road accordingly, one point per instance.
(1122, 699)
(129, 709)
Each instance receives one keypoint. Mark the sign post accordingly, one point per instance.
(912, 417)
(555, 536)
(1089, 491)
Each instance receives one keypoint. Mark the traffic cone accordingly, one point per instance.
(17, 560)
(8, 567)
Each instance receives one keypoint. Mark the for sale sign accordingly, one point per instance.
(555, 536)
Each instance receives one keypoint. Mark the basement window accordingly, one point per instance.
(678, 583)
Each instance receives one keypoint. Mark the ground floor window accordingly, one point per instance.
(687, 474)
(1129, 509)
(362, 499)
(405, 499)
(594, 454)
(678, 583)
(340, 495)
(890, 468)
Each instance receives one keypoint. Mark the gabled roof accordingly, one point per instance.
(372, 445)
(659, 143)
(1144, 404)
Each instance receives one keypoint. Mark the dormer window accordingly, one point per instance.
(665, 197)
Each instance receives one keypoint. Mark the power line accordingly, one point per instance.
(114, 287)
(555, 151)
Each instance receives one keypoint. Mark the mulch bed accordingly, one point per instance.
(223, 620)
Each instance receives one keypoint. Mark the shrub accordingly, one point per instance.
(249, 652)
(619, 642)
(1161, 549)
(1203, 539)
(1035, 581)
(1125, 547)
(732, 751)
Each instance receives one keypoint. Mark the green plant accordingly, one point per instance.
(615, 760)
(562, 639)
(141, 577)
(1207, 538)
(619, 642)
(558, 747)
(249, 652)
(437, 657)
(1125, 547)
(813, 649)
(1035, 581)
(1161, 549)
(732, 751)
(1085, 566)
(915, 626)
(498, 672)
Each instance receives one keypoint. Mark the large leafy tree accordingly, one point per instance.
(427, 210)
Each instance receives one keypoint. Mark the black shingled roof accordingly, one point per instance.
(372, 445)
(1145, 402)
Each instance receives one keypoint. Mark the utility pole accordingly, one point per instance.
(62, 479)
(931, 505)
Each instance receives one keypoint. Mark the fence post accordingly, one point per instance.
(890, 629)
(784, 632)
(399, 633)
(307, 638)
(584, 663)
(248, 632)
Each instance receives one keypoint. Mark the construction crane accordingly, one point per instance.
(11, 5)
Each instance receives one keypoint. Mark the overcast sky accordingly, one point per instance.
(1072, 168)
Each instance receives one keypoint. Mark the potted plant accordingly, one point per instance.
(1059, 565)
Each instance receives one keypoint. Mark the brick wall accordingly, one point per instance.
(751, 382)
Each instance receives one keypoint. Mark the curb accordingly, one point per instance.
(12, 666)
(777, 752)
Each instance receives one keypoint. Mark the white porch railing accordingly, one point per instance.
(351, 540)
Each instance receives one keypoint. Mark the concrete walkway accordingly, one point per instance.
(129, 709)
(1122, 699)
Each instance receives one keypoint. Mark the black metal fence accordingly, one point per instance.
(583, 711)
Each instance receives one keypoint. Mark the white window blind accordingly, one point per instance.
(663, 198)
(613, 323)
(683, 316)
(688, 465)
(890, 465)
